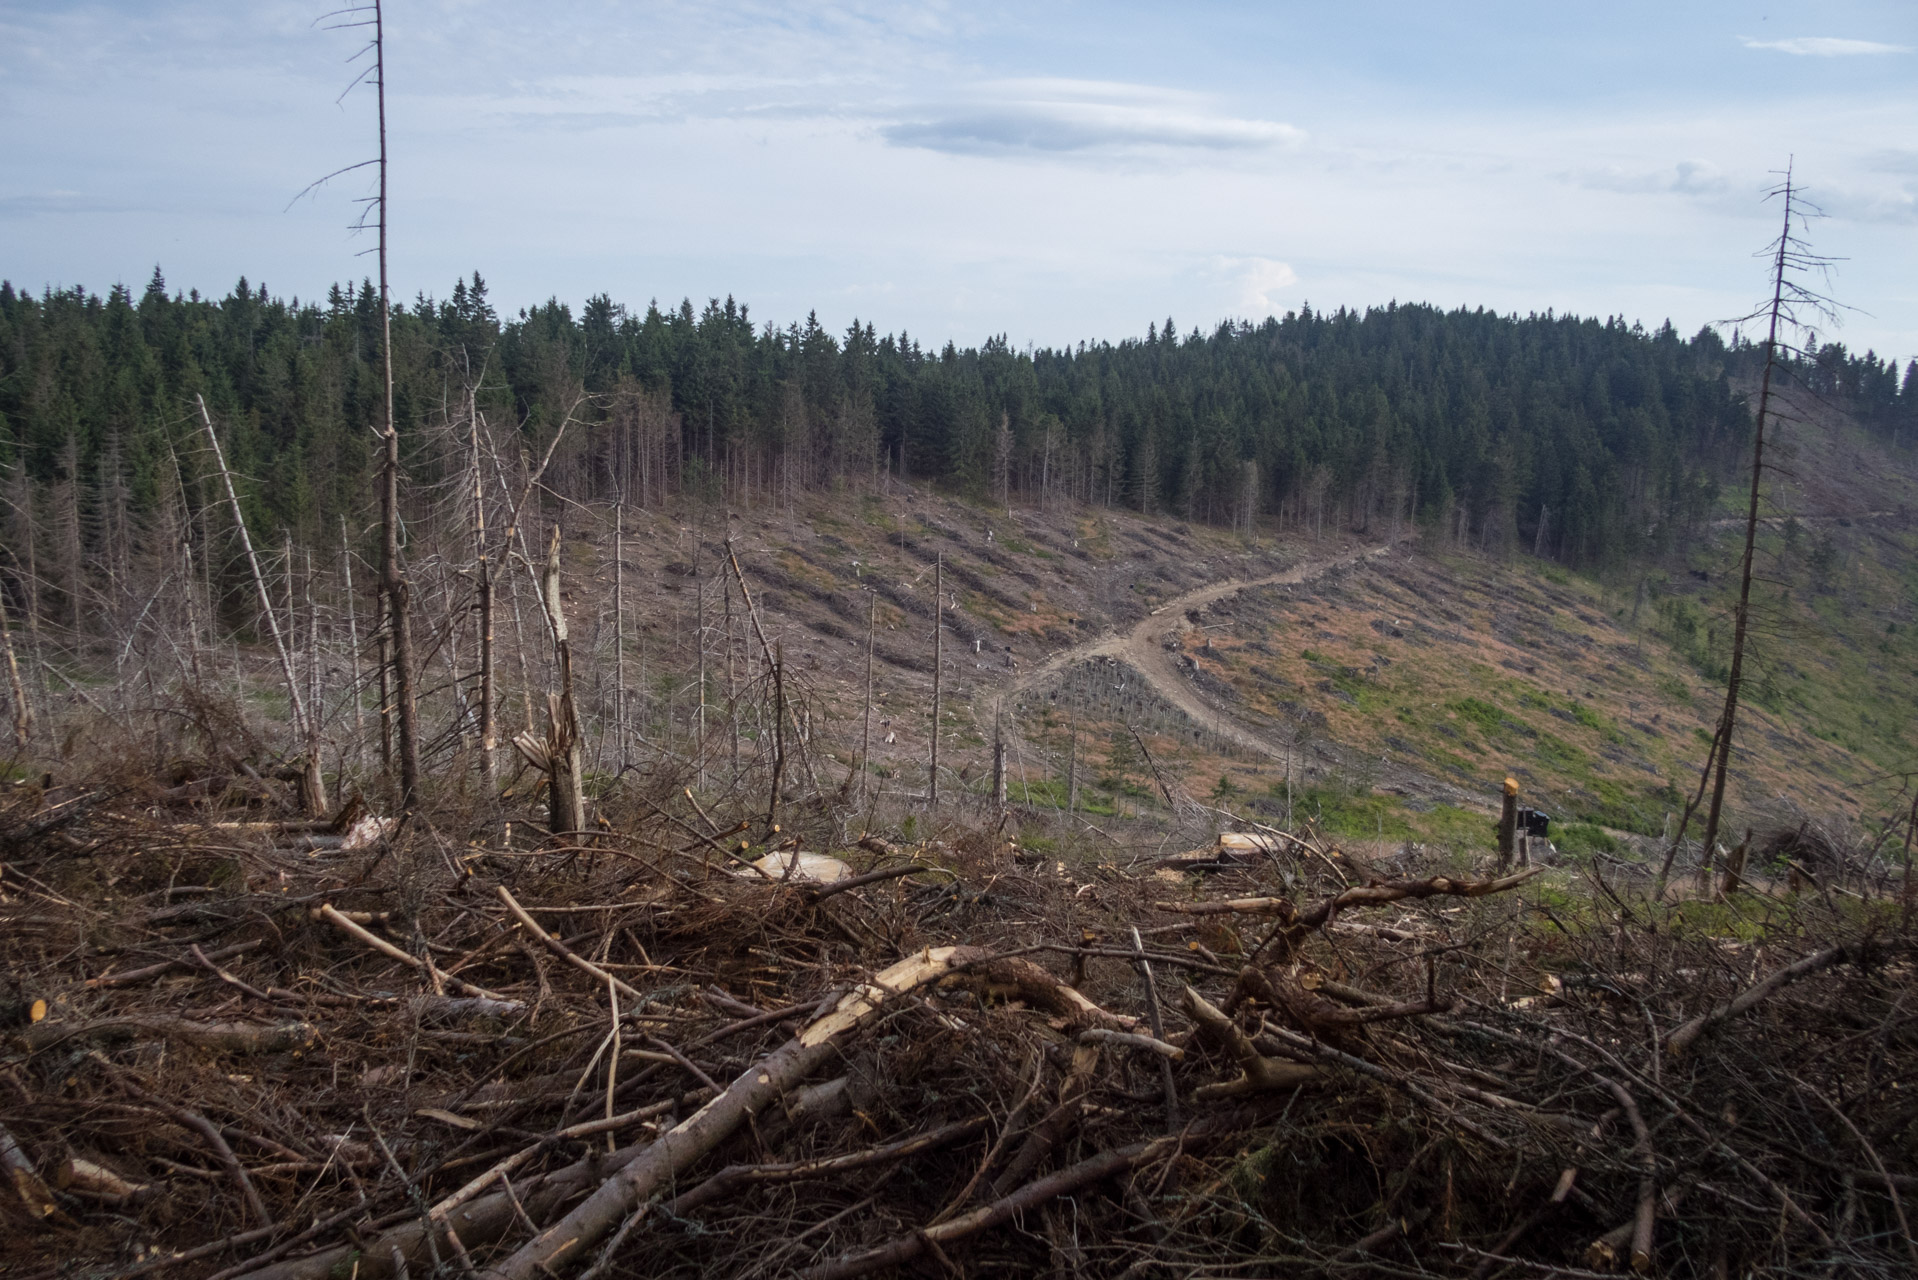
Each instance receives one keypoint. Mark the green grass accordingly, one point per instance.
(1582, 839)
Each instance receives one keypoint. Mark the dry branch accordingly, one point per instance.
(215, 1037)
(1681, 1041)
(699, 1133)
(1257, 1071)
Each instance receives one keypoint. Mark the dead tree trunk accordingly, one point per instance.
(1741, 619)
(779, 734)
(483, 605)
(352, 634)
(558, 754)
(1072, 766)
(312, 785)
(619, 632)
(392, 583)
(865, 739)
(999, 758)
(699, 639)
(22, 709)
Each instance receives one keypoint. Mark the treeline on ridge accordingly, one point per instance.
(1583, 440)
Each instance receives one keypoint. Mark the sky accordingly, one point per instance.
(1052, 172)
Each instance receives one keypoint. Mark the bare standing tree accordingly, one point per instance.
(396, 633)
(1791, 306)
(1792, 303)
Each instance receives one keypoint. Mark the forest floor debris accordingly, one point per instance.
(227, 1054)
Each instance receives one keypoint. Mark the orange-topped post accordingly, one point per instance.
(1508, 824)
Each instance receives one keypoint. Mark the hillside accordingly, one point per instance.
(1423, 671)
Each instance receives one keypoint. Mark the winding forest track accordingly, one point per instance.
(1140, 647)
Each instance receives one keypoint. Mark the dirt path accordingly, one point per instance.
(1140, 648)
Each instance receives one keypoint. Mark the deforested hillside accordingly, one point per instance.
(831, 853)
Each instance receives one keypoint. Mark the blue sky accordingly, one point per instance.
(1048, 171)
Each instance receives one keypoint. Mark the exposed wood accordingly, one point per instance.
(1257, 1072)
(698, 1134)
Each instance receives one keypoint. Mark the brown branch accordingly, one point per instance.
(1682, 1039)
(1257, 1071)
(1098, 1168)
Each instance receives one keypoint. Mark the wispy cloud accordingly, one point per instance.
(1076, 115)
(1687, 177)
(59, 203)
(1823, 46)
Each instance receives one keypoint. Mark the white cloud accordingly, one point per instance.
(1259, 280)
(1823, 46)
(1058, 115)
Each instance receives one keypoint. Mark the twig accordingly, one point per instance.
(564, 952)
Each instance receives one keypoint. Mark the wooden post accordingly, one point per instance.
(938, 623)
(1508, 824)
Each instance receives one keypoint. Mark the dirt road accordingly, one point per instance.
(1140, 648)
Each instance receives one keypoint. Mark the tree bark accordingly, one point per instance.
(1741, 620)
(700, 1133)
(393, 584)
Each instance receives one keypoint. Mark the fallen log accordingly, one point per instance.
(21, 1176)
(167, 966)
(693, 1138)
(1132, 1040)
(1024, 980)
(340, 920)
(1233, 906)
(733, 1177)
(215, 1037)
(1290, 931)
(1681, 1040)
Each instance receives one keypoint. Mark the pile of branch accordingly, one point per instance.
(230, 1058)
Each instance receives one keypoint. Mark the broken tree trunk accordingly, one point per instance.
(23, 710)
(1508, 824)
(558, 754)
